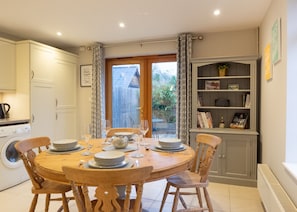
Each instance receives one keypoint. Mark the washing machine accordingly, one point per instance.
(12, 170)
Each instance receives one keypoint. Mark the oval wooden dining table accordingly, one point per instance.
(49, 164)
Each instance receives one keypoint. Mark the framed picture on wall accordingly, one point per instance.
(239, 120)
(85, 75)
(212, 84)
(276, 41)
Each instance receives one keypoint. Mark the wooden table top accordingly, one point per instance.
(49, 164)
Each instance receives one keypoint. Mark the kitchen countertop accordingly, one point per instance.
(13, 121)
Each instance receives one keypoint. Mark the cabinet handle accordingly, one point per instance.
(32, 74)
(219, 156)
(32, 118)
(223, 156)
(56, 116)
(56, 102)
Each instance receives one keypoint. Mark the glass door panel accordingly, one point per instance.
(125, 95)
(164, 98)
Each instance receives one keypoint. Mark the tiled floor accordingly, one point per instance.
(225, 198)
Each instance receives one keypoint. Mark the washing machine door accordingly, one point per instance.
(9, 155)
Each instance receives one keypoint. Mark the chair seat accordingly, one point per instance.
(186, 179)
(51, 187)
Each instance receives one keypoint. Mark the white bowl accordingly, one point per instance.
(123, 134)
(120, 142)
(64, 144)
(109, 158)
(170, 143)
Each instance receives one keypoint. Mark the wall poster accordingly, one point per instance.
(276, 41)
(85, 75)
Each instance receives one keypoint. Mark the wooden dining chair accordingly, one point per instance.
(27, 150)
(196, 177)
(106, 182)
(112, 131)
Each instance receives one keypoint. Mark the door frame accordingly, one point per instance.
(145, 63)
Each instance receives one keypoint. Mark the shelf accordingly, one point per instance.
(225, 77)
(209, 88)
(225, 131)
(224, 90)
(236, 159)
(223, 108)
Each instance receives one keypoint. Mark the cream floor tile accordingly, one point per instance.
(244, 192)
(246, 205)
(225, 198)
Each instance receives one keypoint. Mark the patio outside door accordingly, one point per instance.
(141, 88)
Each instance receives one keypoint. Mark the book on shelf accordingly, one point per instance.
(199, 101)
(200, 121)
(247, 101)
(239, 121)
(209, 119)
(204, 120)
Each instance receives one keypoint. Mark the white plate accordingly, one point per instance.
(158, 146)
(109, 158)
(64, 144)
(109, 155)
(170, 140)
(129, 148)
(124, 133)
(52, 148)
(93, 164)
(180, 148)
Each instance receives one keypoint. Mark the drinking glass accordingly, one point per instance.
(137, 154)
(87, 136)
(144, 128)
(106, 126)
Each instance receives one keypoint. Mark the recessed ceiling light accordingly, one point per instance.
(122, 24)
(59, 33)
(217, 12)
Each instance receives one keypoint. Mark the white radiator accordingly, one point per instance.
(274, 197)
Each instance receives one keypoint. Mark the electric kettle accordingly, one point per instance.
(4, 108)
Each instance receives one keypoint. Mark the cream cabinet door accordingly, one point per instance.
(7, 65)
(65, 94)
(42, 110)
(42, 63)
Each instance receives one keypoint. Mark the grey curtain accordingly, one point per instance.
(184, 87)
(98, 90)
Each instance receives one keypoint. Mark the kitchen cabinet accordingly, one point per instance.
(235, 161)
(223, 96)
(51, 90)
(65, 98)
(41, 63)
(7, 65)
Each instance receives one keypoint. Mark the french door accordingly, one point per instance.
(139, 88)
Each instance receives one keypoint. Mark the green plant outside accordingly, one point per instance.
(164, 97)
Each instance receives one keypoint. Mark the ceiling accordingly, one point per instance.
(85, 22)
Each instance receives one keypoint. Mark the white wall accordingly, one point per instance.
(227, 44)
(224, 44)
(274, 102)
(84, 93)
(115, 51)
